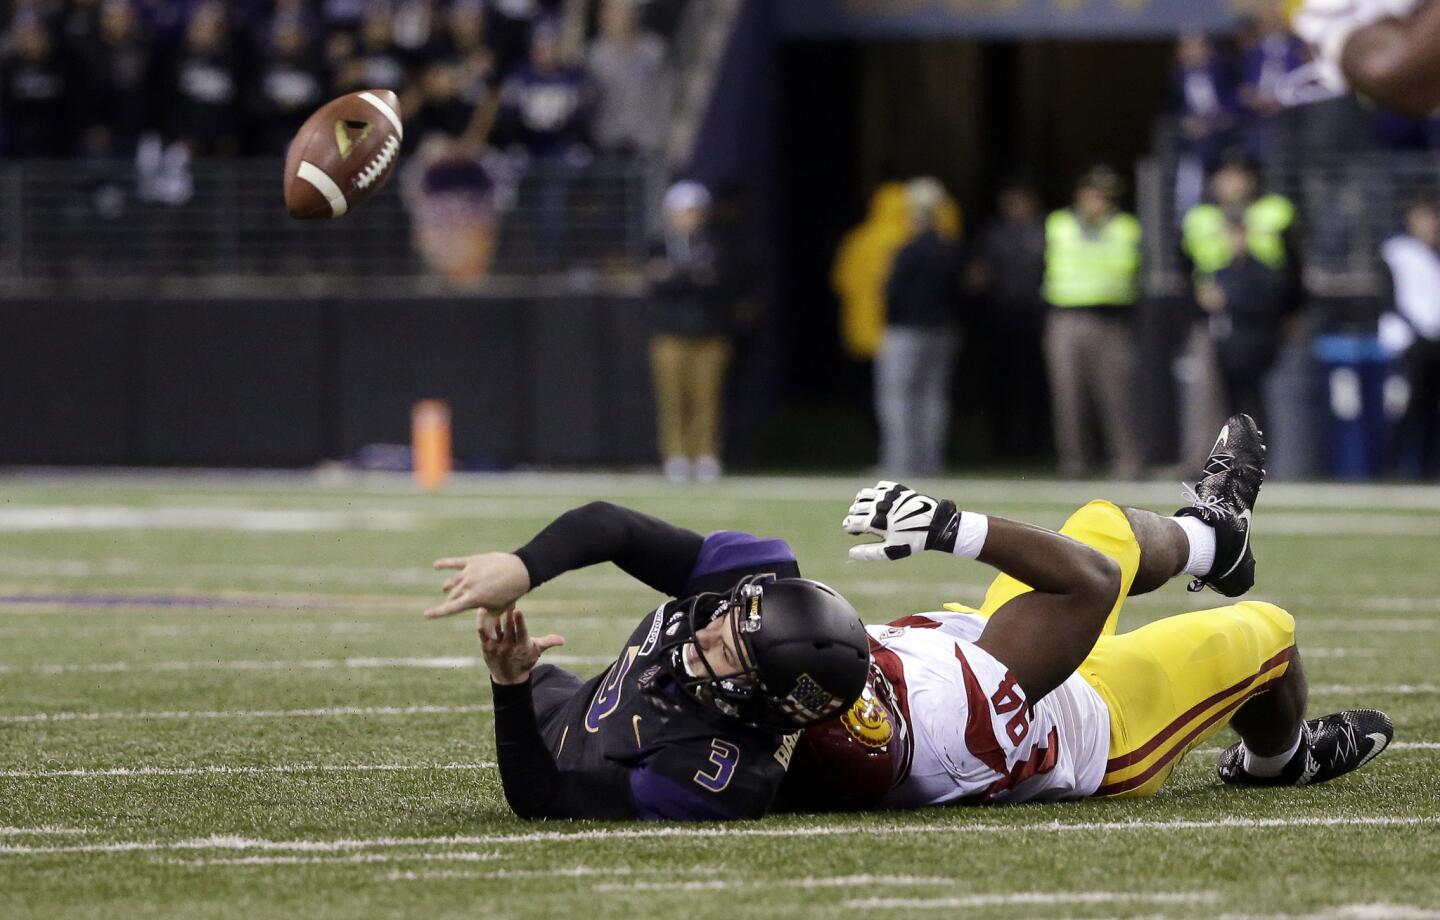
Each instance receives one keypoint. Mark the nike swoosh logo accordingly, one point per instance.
(1245, 546)
(1379, 741)
(925, 508)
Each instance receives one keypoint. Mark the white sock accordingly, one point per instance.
(1202, 545)
(1256, 765)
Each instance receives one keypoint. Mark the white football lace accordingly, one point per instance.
(377, 166)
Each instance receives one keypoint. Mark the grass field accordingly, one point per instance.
(217, 698)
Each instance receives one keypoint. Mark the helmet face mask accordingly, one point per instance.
(745, 696)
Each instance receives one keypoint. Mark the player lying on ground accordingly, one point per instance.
(698, 716)
(1388, 50)
(1035, 697)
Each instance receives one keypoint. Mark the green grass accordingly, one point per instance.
(184, 687)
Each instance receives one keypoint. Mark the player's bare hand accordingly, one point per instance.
(489, 581)
(509, 651)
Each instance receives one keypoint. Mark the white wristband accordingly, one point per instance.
(970, 537)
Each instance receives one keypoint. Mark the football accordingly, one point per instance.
(343, 154)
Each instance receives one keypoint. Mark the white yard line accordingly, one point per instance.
(180, 715)
(710, 832)
(44, 830)
(221, 770)
(316, 664)
(449, 856)
(1033, 897)
(808, 882)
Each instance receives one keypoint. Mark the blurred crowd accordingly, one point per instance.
(93, 77)
(1260, 91)
(502, 99)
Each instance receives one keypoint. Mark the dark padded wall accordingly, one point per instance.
(282, 383)
(68, 375)
(235, 383)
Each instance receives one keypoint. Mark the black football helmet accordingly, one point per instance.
(804, 650)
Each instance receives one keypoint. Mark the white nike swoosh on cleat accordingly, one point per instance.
(1380, 741)
(1244, 547)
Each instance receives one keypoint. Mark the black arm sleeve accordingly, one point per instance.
(534, 786)
(646, 548)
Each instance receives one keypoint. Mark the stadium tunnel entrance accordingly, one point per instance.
(973, 114)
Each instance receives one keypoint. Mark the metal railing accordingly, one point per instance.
(99, 225)
(1349, 203)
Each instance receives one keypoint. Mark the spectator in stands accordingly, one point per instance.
(544, 122)
(511, 25)
(925, 305)
(632, 81)
(693, 281)
(1236, 341)
(1092, 283)
(457, 88)
(1410, 332)
(1206, 107)
(377, 61)
(1271, 55)
(35, 91)
(114, 76)
(545, 104)
(1008, 271)
(206, 104)
(291, 83)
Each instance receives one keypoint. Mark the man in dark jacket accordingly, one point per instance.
(923, 304)
(695, 280)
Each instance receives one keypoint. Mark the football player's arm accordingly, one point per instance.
(535, 787)
(648, 549)
(1041, 635)
(1397, 61)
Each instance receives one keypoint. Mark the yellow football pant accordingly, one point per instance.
(1173, 683)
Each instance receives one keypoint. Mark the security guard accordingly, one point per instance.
(1092, 278)
(1245, 259)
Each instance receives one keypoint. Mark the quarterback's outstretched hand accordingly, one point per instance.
(509, 651)
(909, 522)
(489, 581)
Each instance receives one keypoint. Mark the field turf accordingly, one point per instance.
(218, 699)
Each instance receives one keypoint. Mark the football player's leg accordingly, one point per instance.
(1173, 683)
(1099, 525)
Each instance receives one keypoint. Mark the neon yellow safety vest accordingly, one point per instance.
(1207, 240)
(1088, 270)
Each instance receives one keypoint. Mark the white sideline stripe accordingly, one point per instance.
(30, 518)
(325, 186)
(1379, 910)
(387, 111)
(221, 770)
(690, 832)
(314, 664)
(328, 712)
(1033, 897)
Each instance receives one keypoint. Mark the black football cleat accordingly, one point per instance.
(1224, 498)
(1332, 746)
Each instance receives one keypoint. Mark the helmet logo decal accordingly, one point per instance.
(810, 701)
(652, 637)
(868, 722)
